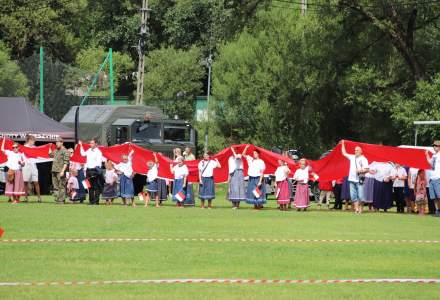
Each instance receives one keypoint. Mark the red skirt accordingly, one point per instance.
(301, 196)
(283, 192)
(15, 188)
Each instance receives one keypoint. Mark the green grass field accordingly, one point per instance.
(58, 261)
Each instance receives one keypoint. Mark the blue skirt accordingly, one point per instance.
(162, 189)
(189, 200)
(252, 184)
(178, 187)
(152, 186)
(345, 192)
(110, 191)
(207, 188)
(126, 187)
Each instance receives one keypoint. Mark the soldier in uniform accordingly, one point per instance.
(59, 166)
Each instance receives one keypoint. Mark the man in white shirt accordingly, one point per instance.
(399, 176)
(434, 180)
(356, 176)
(30, 171)
(93, 170)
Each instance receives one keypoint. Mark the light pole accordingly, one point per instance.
(209, 65)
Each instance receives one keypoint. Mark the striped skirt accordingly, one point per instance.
(162, 189)
(283, 192)
(126, 187)
(368, 190)
(345, 191)
(110, 191)
(237, 190)
(152, 186)
(301, 196)
(15, 188)
(207, 188)
(177, 188)
(252, 185)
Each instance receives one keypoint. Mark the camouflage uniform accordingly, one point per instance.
(60, 158)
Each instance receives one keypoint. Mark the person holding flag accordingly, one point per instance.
(236, 187)
(59, 167)
(93, 170)
(301, 177)
(282, 185)
(434, 179)
(206, 178)
(126, 187)
(14, 181)
(152, 181)
(180, 172)
(256, 190)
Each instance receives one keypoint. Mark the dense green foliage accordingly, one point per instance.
(355, 69)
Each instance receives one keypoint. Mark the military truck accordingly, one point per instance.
(145, 126)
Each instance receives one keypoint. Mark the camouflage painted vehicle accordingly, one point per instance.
(145, 126)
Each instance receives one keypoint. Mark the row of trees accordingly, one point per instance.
(357, 69)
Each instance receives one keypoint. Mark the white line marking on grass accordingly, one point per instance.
(224, 281)
(213, 240)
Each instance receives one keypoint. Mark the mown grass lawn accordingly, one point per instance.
(28, 262)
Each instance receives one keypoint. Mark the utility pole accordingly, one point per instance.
(303, 7)
(141, 52)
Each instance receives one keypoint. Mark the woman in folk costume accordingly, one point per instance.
(152, 181)
(369, 185)
(236, 186)
(180, 172)
(14, 181)
(206, 178)
(110, 191)
(301, 177)
(256, 190)
(282, 185)
(189, 156)
(420, 192)
(409, 189)
(126, 187)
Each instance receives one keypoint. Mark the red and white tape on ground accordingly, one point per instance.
(217, 281)
(215, 240)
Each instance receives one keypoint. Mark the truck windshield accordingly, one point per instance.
(178, 134)
(148, 131)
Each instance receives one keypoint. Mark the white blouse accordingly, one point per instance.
(281, 173)
(180, 171)
(152, 173)
(125, 168)
(256, 167)
(302, 175)
(206, 168)
(235, 164)
(14, 159)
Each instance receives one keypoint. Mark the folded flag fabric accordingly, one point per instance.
(180, 196)
(73, 195)
(1, 232)
(257, 193)
(278, 193)
(86, 184)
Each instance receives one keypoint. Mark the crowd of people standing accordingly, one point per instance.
(373, 185)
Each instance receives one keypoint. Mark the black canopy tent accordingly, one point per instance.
(19, 118)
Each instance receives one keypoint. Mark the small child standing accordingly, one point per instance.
(110, 191)
(152, 181)
(73, 186)
(420, 192)
(126, 186)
